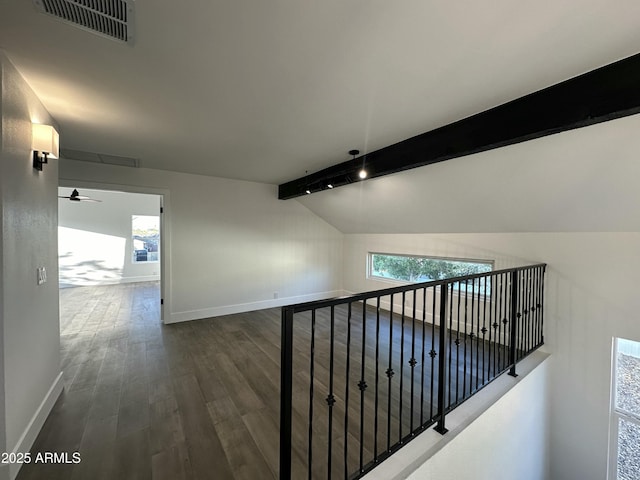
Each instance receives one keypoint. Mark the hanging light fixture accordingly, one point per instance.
(363, 172)
(306, 176)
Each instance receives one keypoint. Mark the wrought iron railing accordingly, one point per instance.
(362, 375)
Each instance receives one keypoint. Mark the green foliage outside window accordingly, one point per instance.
(422, 269)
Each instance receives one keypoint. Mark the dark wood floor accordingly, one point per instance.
(147, 401)
(200, 400)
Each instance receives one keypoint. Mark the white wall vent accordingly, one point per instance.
(109, 18)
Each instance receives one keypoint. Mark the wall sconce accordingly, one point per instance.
(44, 143)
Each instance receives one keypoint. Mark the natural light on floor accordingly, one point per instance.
(89, 258)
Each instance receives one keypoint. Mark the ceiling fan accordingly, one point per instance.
(76, 197)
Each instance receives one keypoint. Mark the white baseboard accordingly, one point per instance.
(251, 306)
(35, 425)
(247, 307)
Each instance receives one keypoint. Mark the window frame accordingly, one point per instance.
(371, 276)
(616, 414)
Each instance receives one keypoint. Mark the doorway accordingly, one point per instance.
(109, 237)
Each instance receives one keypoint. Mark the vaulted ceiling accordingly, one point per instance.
(265, 91)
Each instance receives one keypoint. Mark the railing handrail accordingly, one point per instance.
(356, 297)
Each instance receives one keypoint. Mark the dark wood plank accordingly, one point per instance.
(172, 464)
(205, 450)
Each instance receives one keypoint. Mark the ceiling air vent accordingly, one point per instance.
(83, 156)
(109, 18)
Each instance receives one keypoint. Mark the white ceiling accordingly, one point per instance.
(263, 91)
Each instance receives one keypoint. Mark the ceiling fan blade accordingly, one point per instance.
(76, 197)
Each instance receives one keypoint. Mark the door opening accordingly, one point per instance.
(113, 239)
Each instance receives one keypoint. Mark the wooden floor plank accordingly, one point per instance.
(171, 464)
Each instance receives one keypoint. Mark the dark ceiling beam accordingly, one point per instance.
(603, 94)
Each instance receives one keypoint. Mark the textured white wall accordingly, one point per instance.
(4, 469)
(233, 243)
(95, 244)
(591, 297)
(508, 441)
(31, 343)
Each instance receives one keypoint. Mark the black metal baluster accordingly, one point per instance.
(346, 395)
(449, 376)
(492, 328)
(362, 385)
(514, 320)
(424, 326)
(521, 327)
(505, 321)
(530, 311)
(331, 401)
(539, 306)
(522, 320)
(522, 323)
(521, 297)
(477, 329)
(464, 338)
(494, 324)
(311, 374)
(412, 362)
(498, 323)
(542, 306)
(442, 367)
(286, 392)
(432, 353)
(502, 329)
(389, 374)
(484, 327)
(375, 418)
(534, 309)
(457, 342)
(520, 330)
(536, 304)
(518, 324)
(401, 369)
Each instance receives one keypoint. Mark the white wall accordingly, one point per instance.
(31, 343)
(233, 245)
(509, 441)
(4, 469)
(591, 296)
(94, 239)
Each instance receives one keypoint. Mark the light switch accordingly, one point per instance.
(42, 275)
